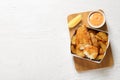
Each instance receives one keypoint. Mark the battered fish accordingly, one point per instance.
(91, 52)
(82, 37)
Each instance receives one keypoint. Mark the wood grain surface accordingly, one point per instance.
(83, 65)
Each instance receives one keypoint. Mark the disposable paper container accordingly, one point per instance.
(90, 59)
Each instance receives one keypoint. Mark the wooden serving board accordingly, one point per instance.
(83, 65)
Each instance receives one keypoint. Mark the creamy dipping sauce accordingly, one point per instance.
(96, 19)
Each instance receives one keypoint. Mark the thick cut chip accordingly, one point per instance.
(101, 51)
(79, 52)
(73, 50)
(103, 46)
(94, 40)
(99, 57)
(73, 40)
(102, 36)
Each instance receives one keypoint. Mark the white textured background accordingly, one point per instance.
(34, 39)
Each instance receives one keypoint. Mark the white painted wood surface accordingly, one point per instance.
(34, 39)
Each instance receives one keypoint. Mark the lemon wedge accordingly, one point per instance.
(75, 21)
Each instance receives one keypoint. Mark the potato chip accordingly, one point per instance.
(99, 57)
(103, 36)
(103, 46)
(73, 40)
(73, 50)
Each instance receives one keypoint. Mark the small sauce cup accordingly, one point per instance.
(96, 19)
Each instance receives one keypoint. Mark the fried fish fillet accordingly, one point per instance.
(91, 52)
(82, 37)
